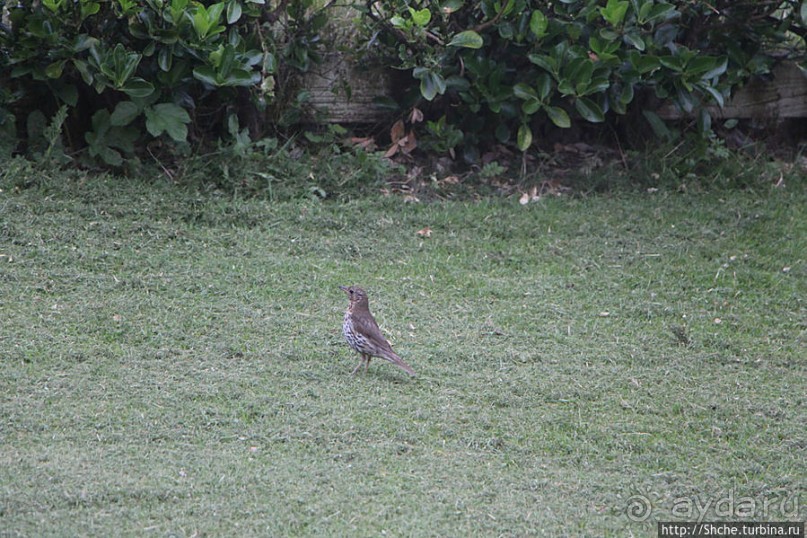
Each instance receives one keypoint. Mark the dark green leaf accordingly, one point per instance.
(531, 106)
(644, 12)
(431, 83)
(673, 63)
(644, 63)
(700, 65)
(68, 93)
(635, 39)
(544, 86)
(214, 12)
(608, 35)
(167, 118)
(684, 97)
(122, 138)
(626, 95)
(524, 91)
(242, 77)
(717, 70)
(660, 11)
(457, 83)
(55, 69)
(125, 112)
(270, 63)
(233, 11)
(137, 87)
(558, 116)
(253, 57)
(467, 39)
(614, 11)
(165, 58)
(108, 155)
(450, 6)
(657, 124)
(716, 95)
(565, 87)
(88, 9)
(524, 138)
(538, 24)
(704, 122)
(547, 63)
(589, 110)
(206, 74)
(506, 31)
(226, 62)
(84, 42)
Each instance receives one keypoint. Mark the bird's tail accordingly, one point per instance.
(399, 362)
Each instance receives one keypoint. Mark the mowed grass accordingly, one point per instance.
(172, 364)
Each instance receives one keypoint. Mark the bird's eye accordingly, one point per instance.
(350, 291)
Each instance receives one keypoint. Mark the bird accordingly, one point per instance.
(363, 335)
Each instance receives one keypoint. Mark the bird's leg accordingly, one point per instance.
(367, 363)
(356, 369)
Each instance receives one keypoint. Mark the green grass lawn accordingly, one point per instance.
(172, 364)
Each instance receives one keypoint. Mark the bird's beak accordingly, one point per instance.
(343, 288)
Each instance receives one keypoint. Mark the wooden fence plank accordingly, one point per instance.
(785, 96)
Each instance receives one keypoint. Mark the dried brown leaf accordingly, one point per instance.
(425, 232)
(415, 116)
(393, 149)
(365, 143)
(408, 143)
(397, 132)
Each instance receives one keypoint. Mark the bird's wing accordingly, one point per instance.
(367, 326)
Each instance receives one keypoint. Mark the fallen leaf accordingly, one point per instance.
(408, 143)
(397, 132)
(415, 116)
(392, 151)
(366, 143)
(425, 232)
(604, 314)
(525, 199)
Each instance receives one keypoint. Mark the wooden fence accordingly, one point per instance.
(342, 92)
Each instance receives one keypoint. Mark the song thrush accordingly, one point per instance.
(362, 333)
